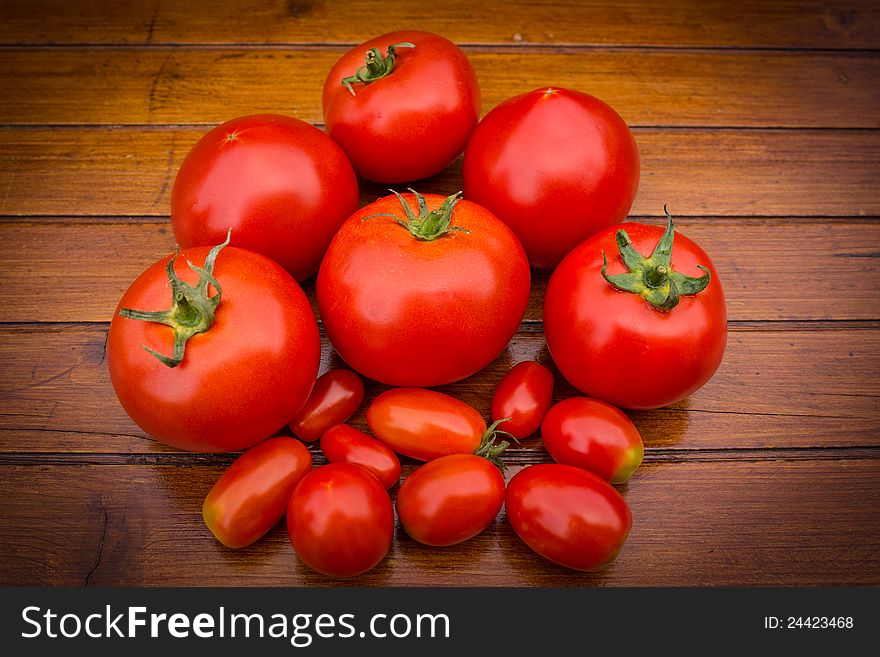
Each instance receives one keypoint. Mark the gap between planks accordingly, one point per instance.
(471, 47)
(521, 457)
(659, 127)
(165, 220)
(531, 326)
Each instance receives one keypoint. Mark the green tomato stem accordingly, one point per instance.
(192, 309)
(427, 226)
(376, 66)
(489, 449)
(653, 277)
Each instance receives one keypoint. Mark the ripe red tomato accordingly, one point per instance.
(450, 499)
(523, 395)
(252, 495)
(593, 435)
(402, 105)
(425, 296)
(555, 165)
(340, 520)
(237, 382)
(650, 345)
(280, 184)
(345, 444)
(335, 398)
(568, 515)
(425, 425)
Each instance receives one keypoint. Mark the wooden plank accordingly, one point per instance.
(667, 88)
(76, 271)
(695, 524)
(751, 23)
(130, 171)
(55, 394)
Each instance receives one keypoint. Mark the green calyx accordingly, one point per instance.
(376, 66)
(427, 226)
(192, 310)
(490, 449)
(653, 278)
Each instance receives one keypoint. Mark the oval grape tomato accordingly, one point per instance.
(450, 499)
(568, 515)
(593, 435)
(523, 396)
(345, 444)
(340, 520)
(335, 398)
(251, 496)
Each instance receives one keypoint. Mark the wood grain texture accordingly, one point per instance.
(676, 23)
(648, 88)
(56, 394)
(130, 171)
(76, 271)
(694, 524)
(757, 123)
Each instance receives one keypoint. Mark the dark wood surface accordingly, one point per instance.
(758, 123)
(812, 24)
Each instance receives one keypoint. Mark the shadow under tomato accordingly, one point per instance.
(185, 479)
(185, 487)
(469, 563)
(534, 570)
(524, 567)
(477, 389)
(378, 576)
(662, 427)
(659, 427)
(263, 553)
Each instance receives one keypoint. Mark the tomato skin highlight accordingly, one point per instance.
(281, 184)
(450, 500)
(241, 380)
(613, 345)
(340, 520)
(345, 444)
(425, 424)
(568, 515)
(251, 496)
(382, 294)
(595, 436)
(335, 398)
(412, 123)
(556, 165)
(523, 395)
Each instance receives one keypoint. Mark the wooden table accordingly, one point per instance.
(758, 125)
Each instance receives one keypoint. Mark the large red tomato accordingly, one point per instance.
(648, 331)
(340, 520)
(422, 291)
(568, 515)
(402, 105)
(555, 165)
(229, 365)
(280, 184)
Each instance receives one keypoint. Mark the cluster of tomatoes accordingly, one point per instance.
(414, 291)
